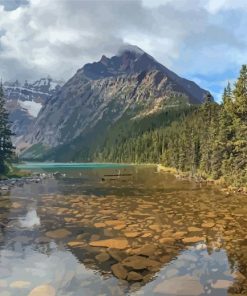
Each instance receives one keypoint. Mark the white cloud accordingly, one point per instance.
(191, 37)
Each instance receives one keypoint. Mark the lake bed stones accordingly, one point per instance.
(139, 262)
(119, 271)
(115, 243)
(58, 233)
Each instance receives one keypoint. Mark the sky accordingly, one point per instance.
(201, 40)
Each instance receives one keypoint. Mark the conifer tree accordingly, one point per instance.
(239, 113)
(6, 147)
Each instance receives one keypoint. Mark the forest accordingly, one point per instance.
(208, 141)
(6, 147)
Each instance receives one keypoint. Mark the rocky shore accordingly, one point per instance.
(7, 184)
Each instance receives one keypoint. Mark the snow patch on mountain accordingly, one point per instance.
(32, 107)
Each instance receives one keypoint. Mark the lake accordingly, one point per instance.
(106, 229)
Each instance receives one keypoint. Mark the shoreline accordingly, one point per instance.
(10, 182)
(198, 179)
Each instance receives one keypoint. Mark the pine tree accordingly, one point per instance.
(239, 113)
(6, 147)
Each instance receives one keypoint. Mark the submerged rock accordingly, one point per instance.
(208, 224)
(134, 276)
(193, 239)
(76, 244)
(115, 243)
(119, 271)
(147, 250)
(117, 254)
(58, 234)
(139, 262)
(131, 234)
(102, 257)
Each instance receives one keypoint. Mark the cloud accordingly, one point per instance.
(192, 37)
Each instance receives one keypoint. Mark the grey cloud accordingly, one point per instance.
(57, 37)
(12, 4)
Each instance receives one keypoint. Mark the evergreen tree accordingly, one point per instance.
(239, 114)
(6, 147)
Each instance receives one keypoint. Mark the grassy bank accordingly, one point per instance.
(202, 179)
(15, 173)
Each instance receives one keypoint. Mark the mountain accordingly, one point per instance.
(24, 101)
(131, 83)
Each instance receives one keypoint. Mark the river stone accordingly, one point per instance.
(102, 257)
(180, 286)
(194, 229)
(99, 225)
(119, 227)
(117, 255)
(76, 244)
(139, 262)
(43, 290)
(179, 234)
(114, 222)
(146, 250)
(134, 276)
(208, 224)
(131, 234)
(115, 243)
(20, 285)
(222, 284)
(119, 271)
(167, 240)
(59, 233)
(193, 239)
(155, 227)
(147, 234)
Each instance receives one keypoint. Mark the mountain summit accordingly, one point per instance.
(100, 93)
(132, 60)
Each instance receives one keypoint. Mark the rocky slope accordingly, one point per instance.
(101, 92)
(24, 101)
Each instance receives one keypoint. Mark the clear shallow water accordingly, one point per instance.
(168, 237)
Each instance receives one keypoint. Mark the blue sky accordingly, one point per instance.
(202, 40)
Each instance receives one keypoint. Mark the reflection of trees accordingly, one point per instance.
(5, 205)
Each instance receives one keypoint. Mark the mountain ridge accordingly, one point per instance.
(103, 91)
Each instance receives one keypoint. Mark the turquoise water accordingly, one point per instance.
(66, 165)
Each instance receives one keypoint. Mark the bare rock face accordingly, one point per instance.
(25, 100)
(100, 93)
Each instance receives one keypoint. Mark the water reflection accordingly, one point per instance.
(148, 234)
(30, 220)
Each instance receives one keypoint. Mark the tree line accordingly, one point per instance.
(209, 140)
(6, 146)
